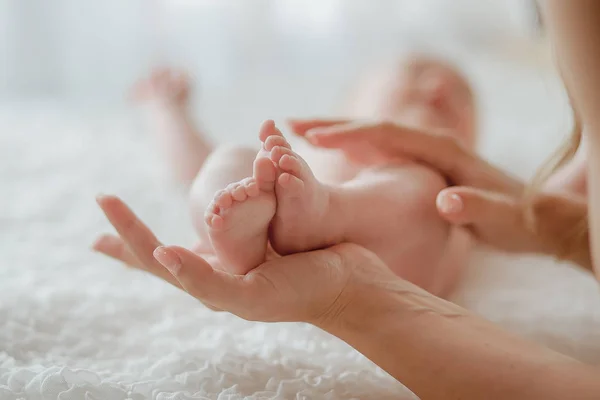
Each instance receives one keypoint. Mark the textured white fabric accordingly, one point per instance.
(74, 325)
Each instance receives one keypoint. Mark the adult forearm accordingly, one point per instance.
(441, 351)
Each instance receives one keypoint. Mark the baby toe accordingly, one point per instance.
(264, 172)
(252, 189)
(273, 141)
(223, 199)
(290, 183)
(291, 164)
(267, 129)
(277, 152)
(239, 193)
(212, 211)
(216, 222)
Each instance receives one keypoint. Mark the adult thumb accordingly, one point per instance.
(469, 206)
(558, 224)
(197, 277)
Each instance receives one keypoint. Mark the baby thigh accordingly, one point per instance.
(225, 165)
(395, 216)
(453, 262)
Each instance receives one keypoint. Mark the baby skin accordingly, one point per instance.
(284, 205)
(250, 205)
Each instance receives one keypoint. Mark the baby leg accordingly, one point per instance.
(390, 211)
(167, 93)
(453, 263)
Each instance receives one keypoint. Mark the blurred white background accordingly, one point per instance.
(252, 59)
(92, 51)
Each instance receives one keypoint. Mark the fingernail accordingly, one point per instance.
(168, 258)
(100, 196)
(449, 203)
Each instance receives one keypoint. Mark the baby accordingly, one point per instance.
(247, 203)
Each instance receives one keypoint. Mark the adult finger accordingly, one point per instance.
(301, 126)
(465, 205)
(138, 238)
(493, 218)
(440, 150)
(233, 293)
(393, 141)
(551, 224)
(114, 247)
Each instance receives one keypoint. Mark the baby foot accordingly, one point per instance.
(238, 219)
(166, 85)
(304, 218)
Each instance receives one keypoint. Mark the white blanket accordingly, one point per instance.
(75, 325)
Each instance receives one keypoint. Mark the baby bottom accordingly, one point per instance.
(272, 197)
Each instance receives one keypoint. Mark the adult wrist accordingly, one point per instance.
(371, 291)
(375, 297)
(370, 307)
(560, 223)
(396, 303)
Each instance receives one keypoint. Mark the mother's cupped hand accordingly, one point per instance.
(484, 199)
(314, 287)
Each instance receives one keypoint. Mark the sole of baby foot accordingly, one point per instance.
(304, 219)
(238, 219)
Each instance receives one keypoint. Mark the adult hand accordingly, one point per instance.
(350, 293)
(314, 287)
(373, 142)
(485, 200)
